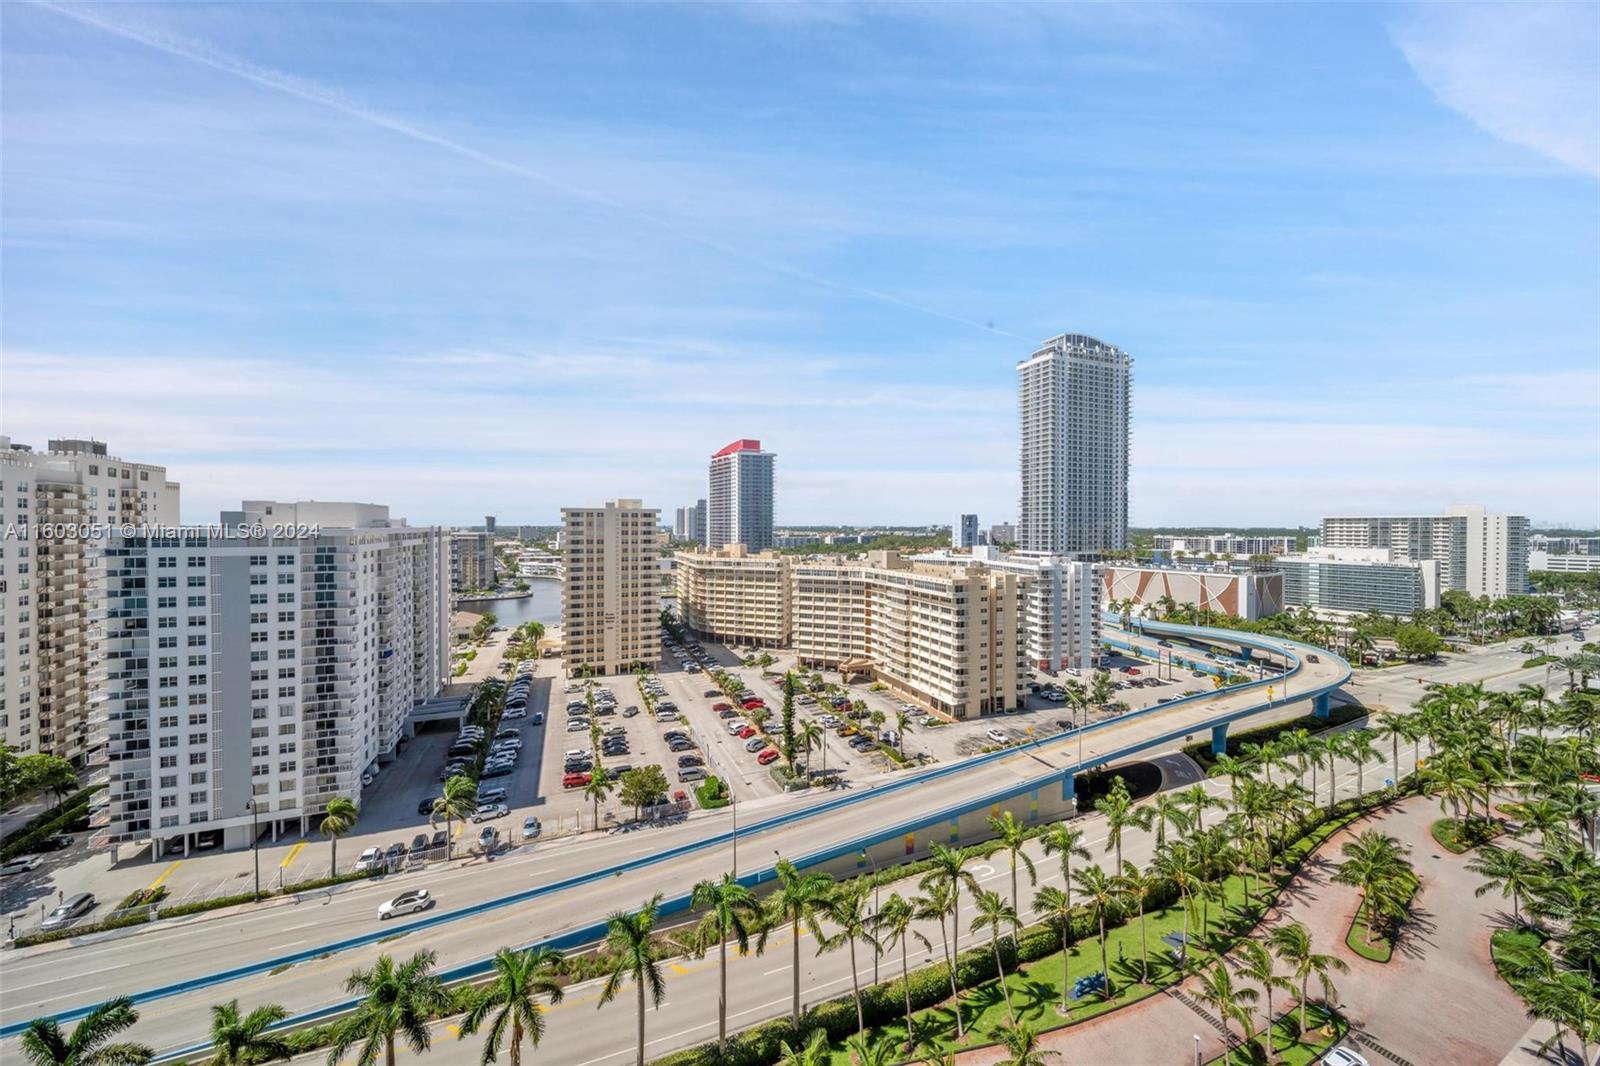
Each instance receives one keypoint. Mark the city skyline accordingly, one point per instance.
(297, 276)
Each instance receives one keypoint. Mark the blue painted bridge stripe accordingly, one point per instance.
(591, 932)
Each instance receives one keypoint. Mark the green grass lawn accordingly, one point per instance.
(1290, 1049)
(1380, 949)
(1458, 838)
(1036, 990)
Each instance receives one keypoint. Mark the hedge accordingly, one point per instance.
(1201, 752)
(77, 799)
(34, 838)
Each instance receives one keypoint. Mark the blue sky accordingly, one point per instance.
(462, 259)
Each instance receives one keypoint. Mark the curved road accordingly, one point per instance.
(65, 980)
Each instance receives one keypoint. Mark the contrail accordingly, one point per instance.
(197, 51)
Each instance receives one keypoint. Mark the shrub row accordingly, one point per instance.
(1201, 752)
(63, 820)
(45, 817)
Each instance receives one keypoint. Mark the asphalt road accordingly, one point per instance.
(57, 977)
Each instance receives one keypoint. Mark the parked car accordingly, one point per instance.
(768, 756)
(439, 839)
(1344, 1056)
(574, 780)
(998, 736)
(530, 827)
(755, 743)
(680, 744)
(371, 859)
(735, 725)
(720, 707)
(517, 712)
(690, 760)
(578, 725)
(490, 810)
(692, 773)
(405, 903)
(629, 711)
(488, 839)
(746, 733)
(71, 910)
(21, 865)
(491, 795)
(419, 844)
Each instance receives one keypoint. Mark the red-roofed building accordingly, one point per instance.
(739, 507)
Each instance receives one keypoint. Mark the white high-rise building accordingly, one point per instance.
(1074, 402)
(1479, 553)
(249, 674)
(611, 600)
(471, 560)
(49, 503)
(740, 500)
(690, 522)
(964, 533)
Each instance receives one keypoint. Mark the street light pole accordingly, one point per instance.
(255, 844)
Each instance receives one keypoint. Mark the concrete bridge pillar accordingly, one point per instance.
(1245, 652)
(1219, 739)
(1322, 706)
(1069, 787)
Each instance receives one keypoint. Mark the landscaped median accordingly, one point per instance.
(1290, 1047)
(1033, 964)
(1380, 947)
(1459, 837)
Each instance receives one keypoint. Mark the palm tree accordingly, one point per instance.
(902, 726)
(598, 790)
(731, 910)
(937, 903)
(798, 899)
(1013, 835)
(996, 915)
(45, 1045)
(456, 803)
(1216, 989)
(396, 1000)
(1167, 809)
(1118, 809)
(337, 820)
(1257, 963)
(1180, 864)
(1056, 906)
(948, 865)
(634, 953)
(1512, 872)
(1376, 864)
(891, 926)
(846, 907)
(1063, 839)
(869, 1052)
(1197, 800)
(519, 976)
(1136, 885)
(244, 1041)
(814, 1052)
(1099, 896)
(810, 735)
(1359, 746)
(1022, 1047)
(1292, 942)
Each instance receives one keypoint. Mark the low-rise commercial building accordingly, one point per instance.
(1564, 564)
(1248, 594)
(1224, 544)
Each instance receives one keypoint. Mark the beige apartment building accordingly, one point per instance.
(949, 638)
(611, 601)
(48, 585)
(735, 596)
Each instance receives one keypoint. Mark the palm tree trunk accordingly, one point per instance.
(1268, 1026)
(639, 983)
(1014, 882)
(855, 988)
(1066, 956)
(1144, 952)
(950, 964)
(722, 994)
(905, 985)
(516, 1040)
(449, 840)
(388, 1050)
(1000, 968)
(333, 859)
(1105, 963)
(795, 1011)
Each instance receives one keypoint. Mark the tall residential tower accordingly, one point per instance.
(611, 602)
(740, 510)
(1073, 400)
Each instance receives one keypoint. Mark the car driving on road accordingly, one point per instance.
(405, 903)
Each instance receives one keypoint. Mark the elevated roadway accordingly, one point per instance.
(298, 954)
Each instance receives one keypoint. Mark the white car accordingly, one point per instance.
(21, 865)
(405, 903)
(1343, 1056)
(371, 859)
(490, 810)
(737, 726)
(516, 712)
(998, 736)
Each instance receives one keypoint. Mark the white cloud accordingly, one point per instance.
(1526, 73)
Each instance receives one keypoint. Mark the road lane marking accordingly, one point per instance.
(294, 853)
(678, 968)
(164, 875)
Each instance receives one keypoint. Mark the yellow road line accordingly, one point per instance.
(294, 853)
(164, 875)
(676, 968)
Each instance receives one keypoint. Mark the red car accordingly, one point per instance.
(722, 706)
(1133, 670)
(574, 780)
(751, 705)
(769, 755)
(747, 732)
